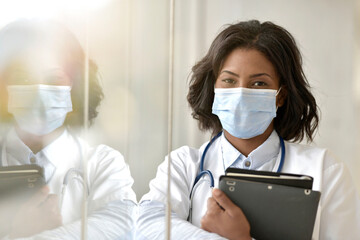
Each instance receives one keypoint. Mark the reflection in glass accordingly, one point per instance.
(42, 92)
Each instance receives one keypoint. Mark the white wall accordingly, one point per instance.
(129, 41)
(135, 78)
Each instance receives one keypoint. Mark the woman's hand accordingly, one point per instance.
(225, 218)
(41, 212)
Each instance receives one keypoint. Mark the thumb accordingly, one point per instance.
(224, 201)
(39, 197)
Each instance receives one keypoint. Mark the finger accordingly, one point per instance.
(204, 223)
(52, 199)
(38, 198)
(51, 212)
(55, 220)
(51, 204)
(225, 202)
(212, 206)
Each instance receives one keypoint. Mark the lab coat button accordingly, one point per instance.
(32, 160)
(247, 163)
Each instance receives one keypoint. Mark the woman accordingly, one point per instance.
(42, 90)
(250, 92)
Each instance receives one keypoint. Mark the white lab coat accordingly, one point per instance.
(338, 214)
(111, 200)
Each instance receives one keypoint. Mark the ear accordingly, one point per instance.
(281, 97)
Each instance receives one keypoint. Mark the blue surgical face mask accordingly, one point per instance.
(39, 109)
(243, 112)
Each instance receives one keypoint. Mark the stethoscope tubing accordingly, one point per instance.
(202, 160)
(208, 172)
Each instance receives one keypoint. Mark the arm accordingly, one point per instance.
(340, 204)
(111, 222)
(151, 222)
(111, 200)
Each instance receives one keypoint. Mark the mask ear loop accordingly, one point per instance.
(278, 91)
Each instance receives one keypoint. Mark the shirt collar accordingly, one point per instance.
(268, 151)
(49, 157)
(229, 153)
(17, 149)
(54, 150)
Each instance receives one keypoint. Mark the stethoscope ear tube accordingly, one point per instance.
(208, 172)
(69, 175)
(205, 172)
(202, 160)
(282, 159)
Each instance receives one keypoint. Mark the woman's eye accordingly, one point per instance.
(55, 80)
(259, 84)
(17, 80)
(51, 80)
(229, 81)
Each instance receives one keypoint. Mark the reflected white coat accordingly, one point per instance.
(111, 200)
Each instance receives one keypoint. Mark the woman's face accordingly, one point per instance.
(247, 68)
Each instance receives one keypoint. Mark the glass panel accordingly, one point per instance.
(43, 84)
(197, 23)
(128, 43)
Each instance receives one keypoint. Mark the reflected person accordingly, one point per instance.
(251, 93)
(42, 88)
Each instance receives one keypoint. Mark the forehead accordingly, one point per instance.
(248, 61)
(33, 59)
(35, 54)
(28, 47)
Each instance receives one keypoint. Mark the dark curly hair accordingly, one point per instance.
(18, 36)
(298, 116)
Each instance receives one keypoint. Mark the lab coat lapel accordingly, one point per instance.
(214, 163)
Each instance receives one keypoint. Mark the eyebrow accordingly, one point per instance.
(251, 76)
(259, 75)
(229, 72)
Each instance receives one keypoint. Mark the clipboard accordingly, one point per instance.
(274, 211)
(20, 182)
(287, 179)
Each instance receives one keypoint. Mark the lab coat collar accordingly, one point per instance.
(264, 154)
(63, 153)
(17, 149)
(52, 158)
(229, 153)
(55, 150)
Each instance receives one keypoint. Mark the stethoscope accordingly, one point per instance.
(71, 174)
(210, 175)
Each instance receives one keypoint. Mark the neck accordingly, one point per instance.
(246, 146)
(37, 143)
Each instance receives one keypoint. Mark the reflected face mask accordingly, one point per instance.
(39, 109)
(243, 112)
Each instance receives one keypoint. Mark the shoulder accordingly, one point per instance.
(304, 150)
(188, 155)
(185, 153)
(104, 155)
(100, 156)
(313, 161)
(184, 164)
(105, 152)
(311, 153)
